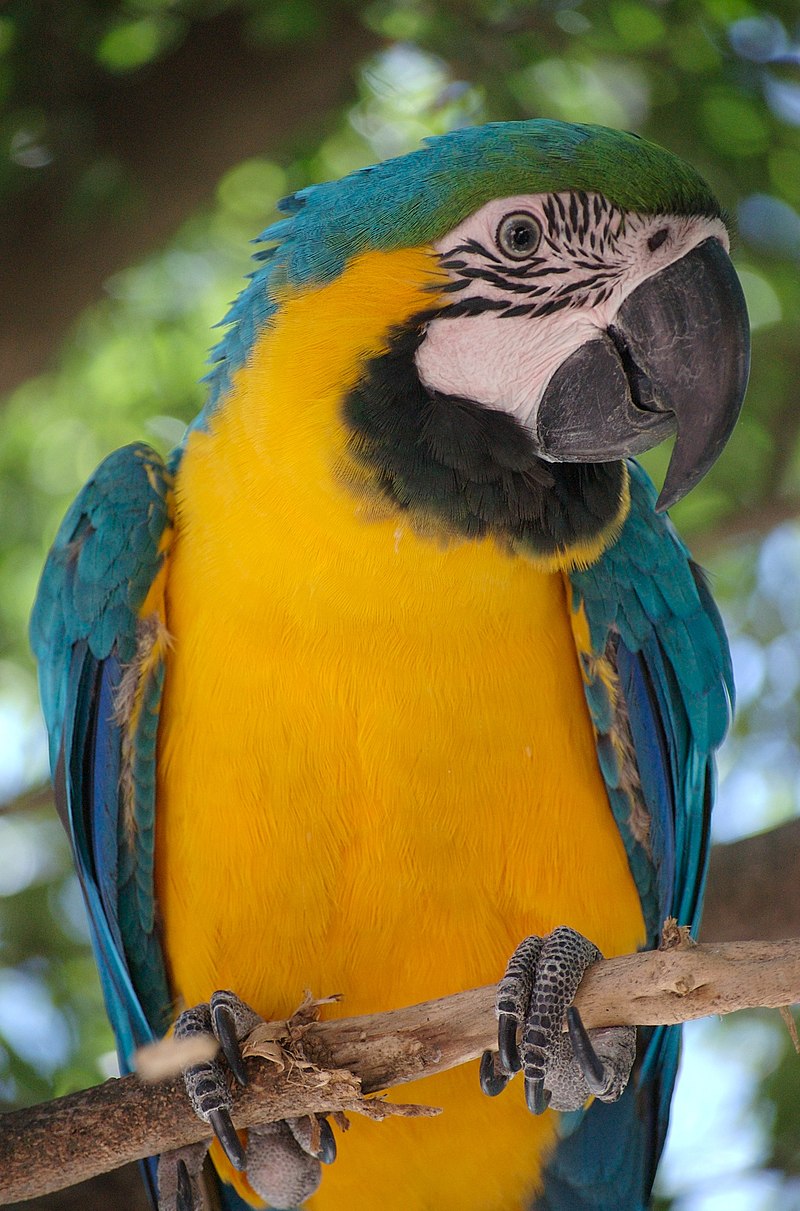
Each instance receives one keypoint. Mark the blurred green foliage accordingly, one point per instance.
(718, 81)
(52, 1022)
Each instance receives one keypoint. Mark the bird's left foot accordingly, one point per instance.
(281, 1159)
(535, 997)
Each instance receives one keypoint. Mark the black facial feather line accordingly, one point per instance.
(585, 229)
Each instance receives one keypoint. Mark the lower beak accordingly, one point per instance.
(676, 359)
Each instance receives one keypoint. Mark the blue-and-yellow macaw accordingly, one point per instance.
(395, 660)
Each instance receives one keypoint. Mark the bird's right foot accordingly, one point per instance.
(281, 1160)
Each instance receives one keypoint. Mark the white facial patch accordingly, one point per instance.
(513, 319)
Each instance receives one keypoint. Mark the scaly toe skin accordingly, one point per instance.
(513, 999)
(282, 1160)
(207, 1087)
(535, 996)
(278, 1168)
(229, 1020)
(563, 958)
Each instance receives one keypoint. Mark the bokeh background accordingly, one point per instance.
(142, 144)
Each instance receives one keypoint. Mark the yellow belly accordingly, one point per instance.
(376, 775)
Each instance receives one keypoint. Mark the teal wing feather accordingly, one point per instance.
(88, 638)
(650, 613)
(87, 635)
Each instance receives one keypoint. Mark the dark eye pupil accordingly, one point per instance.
(521, 237)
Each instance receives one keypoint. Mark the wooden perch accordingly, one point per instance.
(332, 1064)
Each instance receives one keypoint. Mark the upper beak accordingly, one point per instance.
(677, 357)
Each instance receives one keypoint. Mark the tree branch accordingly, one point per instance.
(331, 1065)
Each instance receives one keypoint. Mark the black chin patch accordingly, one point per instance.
(471, 470)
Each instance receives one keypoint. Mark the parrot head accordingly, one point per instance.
(584, 309)
(601, 330)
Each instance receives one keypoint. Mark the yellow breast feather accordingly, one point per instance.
(376, 768)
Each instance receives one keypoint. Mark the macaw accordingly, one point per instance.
(397, 660)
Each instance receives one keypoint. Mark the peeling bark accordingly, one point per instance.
(335, 1063)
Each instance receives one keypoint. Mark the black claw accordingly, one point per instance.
(225, 1030)
(327, 1143)
(590, 1063)
(185, 1196)
(537, 1097)
(222, 1126)
(507, 1043)
(493, 1081)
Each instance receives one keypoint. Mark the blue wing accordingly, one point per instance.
(90, 642)
(95, 633)
(654, 627)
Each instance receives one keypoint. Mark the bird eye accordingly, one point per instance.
(658, 239)
(518, 235)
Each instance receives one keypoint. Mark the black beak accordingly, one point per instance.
(676, 358)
